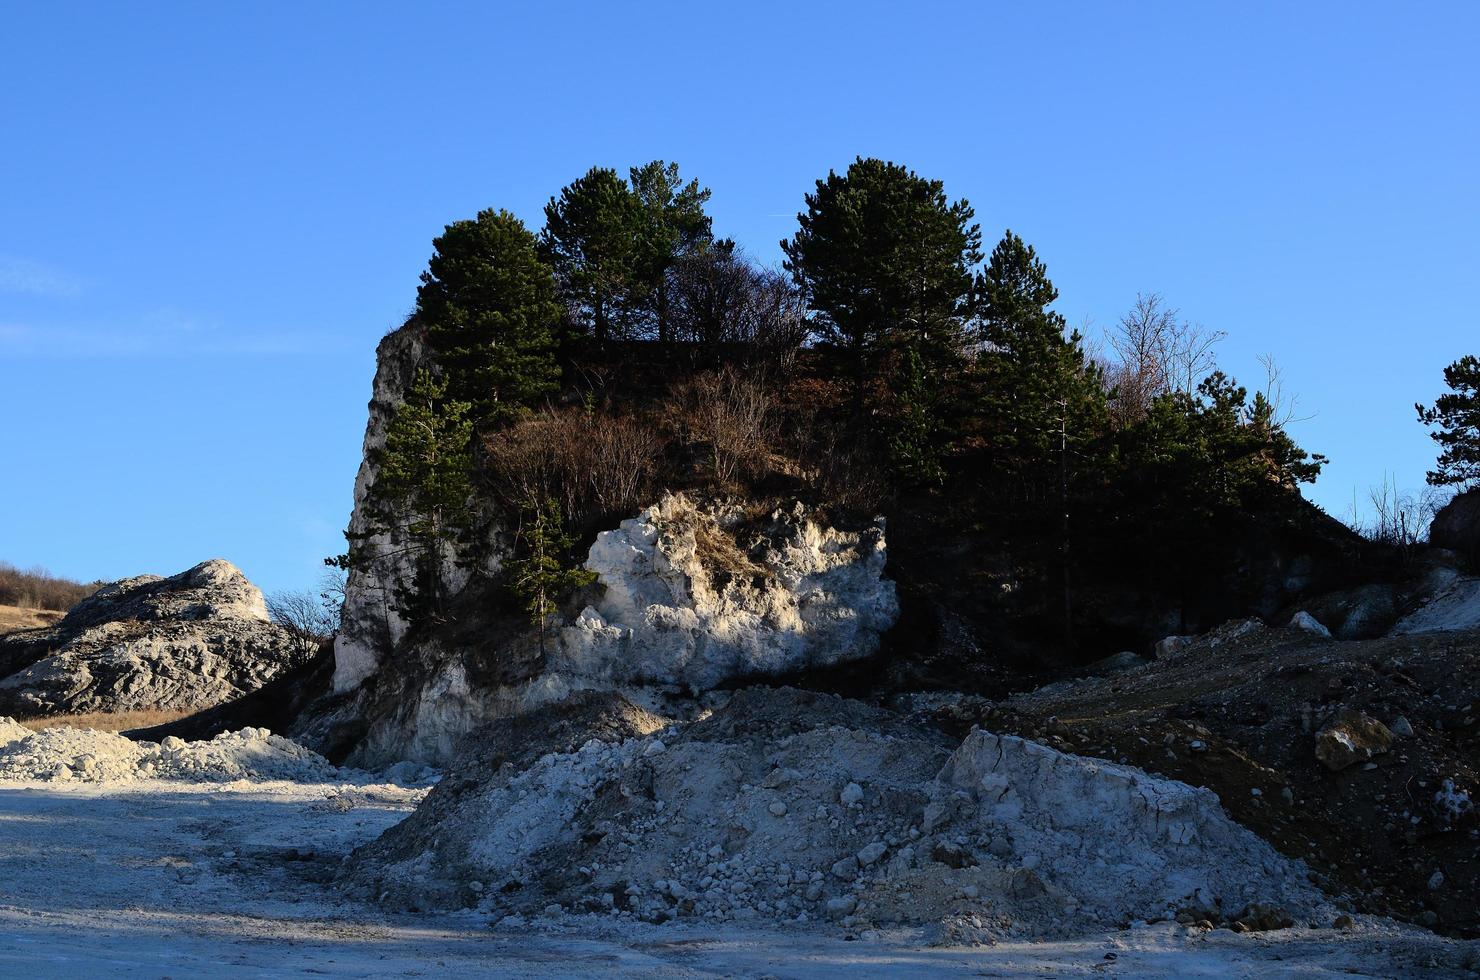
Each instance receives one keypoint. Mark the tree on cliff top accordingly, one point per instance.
(1456, 417)
(1044, 399)
(591, 239)
(884, 257)
(672, 225)
(488, 301)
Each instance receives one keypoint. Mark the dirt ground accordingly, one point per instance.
(146, 880)
(1240, 717)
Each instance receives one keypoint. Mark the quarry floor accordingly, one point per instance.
(157, 879)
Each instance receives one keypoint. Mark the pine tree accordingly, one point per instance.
(884, 257)
(488, 302)
(540, 573)
(917, 438)
(423, 489)
(1044, 398)
(592, 240)
(1456, 415)
(673, 225)
(1045, 405)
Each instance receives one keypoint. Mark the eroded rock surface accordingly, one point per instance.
(689, 598)
(186, 642)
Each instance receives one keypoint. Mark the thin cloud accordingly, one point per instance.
(23, 275)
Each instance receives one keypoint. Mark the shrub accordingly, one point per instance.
(36, 588)
(593, 467)
(732, 415)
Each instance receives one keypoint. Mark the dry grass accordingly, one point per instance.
(120, 721)
(20, 618)
(718, 551)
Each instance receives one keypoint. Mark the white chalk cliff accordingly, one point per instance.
(687, 602)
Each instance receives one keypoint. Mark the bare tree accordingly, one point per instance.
(723, 301)
(1282, 404)
(1400, 519)
(1156, 352)
(306, 616)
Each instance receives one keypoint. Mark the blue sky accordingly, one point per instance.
(210, 213)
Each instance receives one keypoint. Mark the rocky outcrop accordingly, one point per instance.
(690, 598)
(187, 642)
(1457, 525)
(370, 627)
(687, 598)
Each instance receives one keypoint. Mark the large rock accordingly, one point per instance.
(690, 598)
(1457, 525)
(186, 642)
(1450, 602)
(1349, 738)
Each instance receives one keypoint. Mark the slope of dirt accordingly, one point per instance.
(1240, 714)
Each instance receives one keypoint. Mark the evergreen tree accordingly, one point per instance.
(1190, 474)
(918, 438)
(1456, 415)
(884, 257)
(592, 239)
(672, 225)
(423, 489)
(1045, 400)
(1045, 405)
(540, 573)
(488, 301)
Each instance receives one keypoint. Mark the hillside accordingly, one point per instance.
(24, 618)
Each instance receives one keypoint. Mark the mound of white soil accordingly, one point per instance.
(85, 755)
(790, 807)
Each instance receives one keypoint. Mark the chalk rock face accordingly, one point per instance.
(695, 598)
(371, 627)
(190, 641)
(1455, 605)
(687, 599)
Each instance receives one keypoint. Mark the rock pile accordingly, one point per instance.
(83, 755)
(789, 807)
(187, 642)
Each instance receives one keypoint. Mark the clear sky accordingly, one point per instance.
(210, 213)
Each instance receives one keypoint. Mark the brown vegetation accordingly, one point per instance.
(594, 467)
(120, 721)
(36, 588)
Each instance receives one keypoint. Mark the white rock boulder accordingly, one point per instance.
(698, 596)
